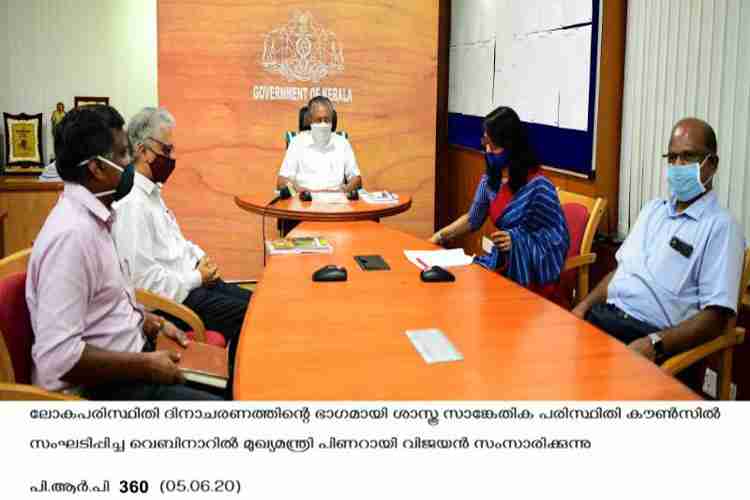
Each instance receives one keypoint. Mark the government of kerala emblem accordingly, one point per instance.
(302, 50)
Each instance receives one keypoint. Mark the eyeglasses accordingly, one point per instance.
(166, 148)
(686, 157)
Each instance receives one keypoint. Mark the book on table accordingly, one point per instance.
(200, 363)
(306, 244)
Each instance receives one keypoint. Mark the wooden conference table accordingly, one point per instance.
(295, 209)
(304, 340)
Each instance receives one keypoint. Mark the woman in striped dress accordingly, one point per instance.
(531, 241)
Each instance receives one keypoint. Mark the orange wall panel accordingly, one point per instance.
(210, 59)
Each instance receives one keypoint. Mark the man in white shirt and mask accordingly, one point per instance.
(318, 160)
(153, 250)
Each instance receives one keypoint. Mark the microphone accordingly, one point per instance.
(284, 193)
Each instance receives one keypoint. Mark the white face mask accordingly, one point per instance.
(321, 133)
(111, 164)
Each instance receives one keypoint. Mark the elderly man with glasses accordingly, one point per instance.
(152, 249)
(677, 277)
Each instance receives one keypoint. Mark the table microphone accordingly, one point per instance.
(284, 193)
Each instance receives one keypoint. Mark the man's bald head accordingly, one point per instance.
(698, 131)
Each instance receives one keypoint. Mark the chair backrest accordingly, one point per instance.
(303, 125)
(745, 279)
(15, 326)
(583, 215)
(7, 375)
(15, 263)
(576, 217)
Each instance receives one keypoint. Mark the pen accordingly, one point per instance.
(422, 263)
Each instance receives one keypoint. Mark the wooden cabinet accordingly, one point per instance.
(27, 202)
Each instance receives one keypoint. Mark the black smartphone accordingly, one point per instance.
(372, 263)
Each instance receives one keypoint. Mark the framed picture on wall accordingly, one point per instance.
(89, 101)
(23, 144)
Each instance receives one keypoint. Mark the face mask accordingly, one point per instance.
(162, 167)
(685, 181)
(321, 134)
(495, 162)
(123, 186)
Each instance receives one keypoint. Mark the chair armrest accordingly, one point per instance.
(154, 301)
(24, 392)
(679, 362)
(579, 260)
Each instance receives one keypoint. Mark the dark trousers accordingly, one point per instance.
(618, 324)
(222, 308)
(285, 226)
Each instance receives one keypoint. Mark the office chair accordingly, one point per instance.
(197, 332)
(582, 215)
(19, 261)
(724, 344)
(15, 262)
(16, 339)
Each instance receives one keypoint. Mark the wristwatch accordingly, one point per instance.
(658, 344)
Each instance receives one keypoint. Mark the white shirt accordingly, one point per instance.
(154, 253)
(319, 168)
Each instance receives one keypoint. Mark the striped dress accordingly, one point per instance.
(536, 223)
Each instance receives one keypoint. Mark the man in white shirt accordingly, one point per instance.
(318, 160)
(151, 246)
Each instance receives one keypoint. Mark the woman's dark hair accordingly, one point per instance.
(83, 133)
(507, 131)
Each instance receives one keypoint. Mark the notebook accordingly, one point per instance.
(200, 363)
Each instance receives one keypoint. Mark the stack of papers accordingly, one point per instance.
(424, 259)
(332, 198)
(378, 196)
(286, 246)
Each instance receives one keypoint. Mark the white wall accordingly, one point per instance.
(685, 58)
(53, 50)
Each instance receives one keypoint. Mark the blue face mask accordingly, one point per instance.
(127, 175)
(685, 181)
(495, 162)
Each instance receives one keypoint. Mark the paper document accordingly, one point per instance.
(378, 196)
(443, 258)
(433, 346)
(332, 198)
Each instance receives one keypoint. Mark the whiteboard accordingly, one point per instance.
(531, 55)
